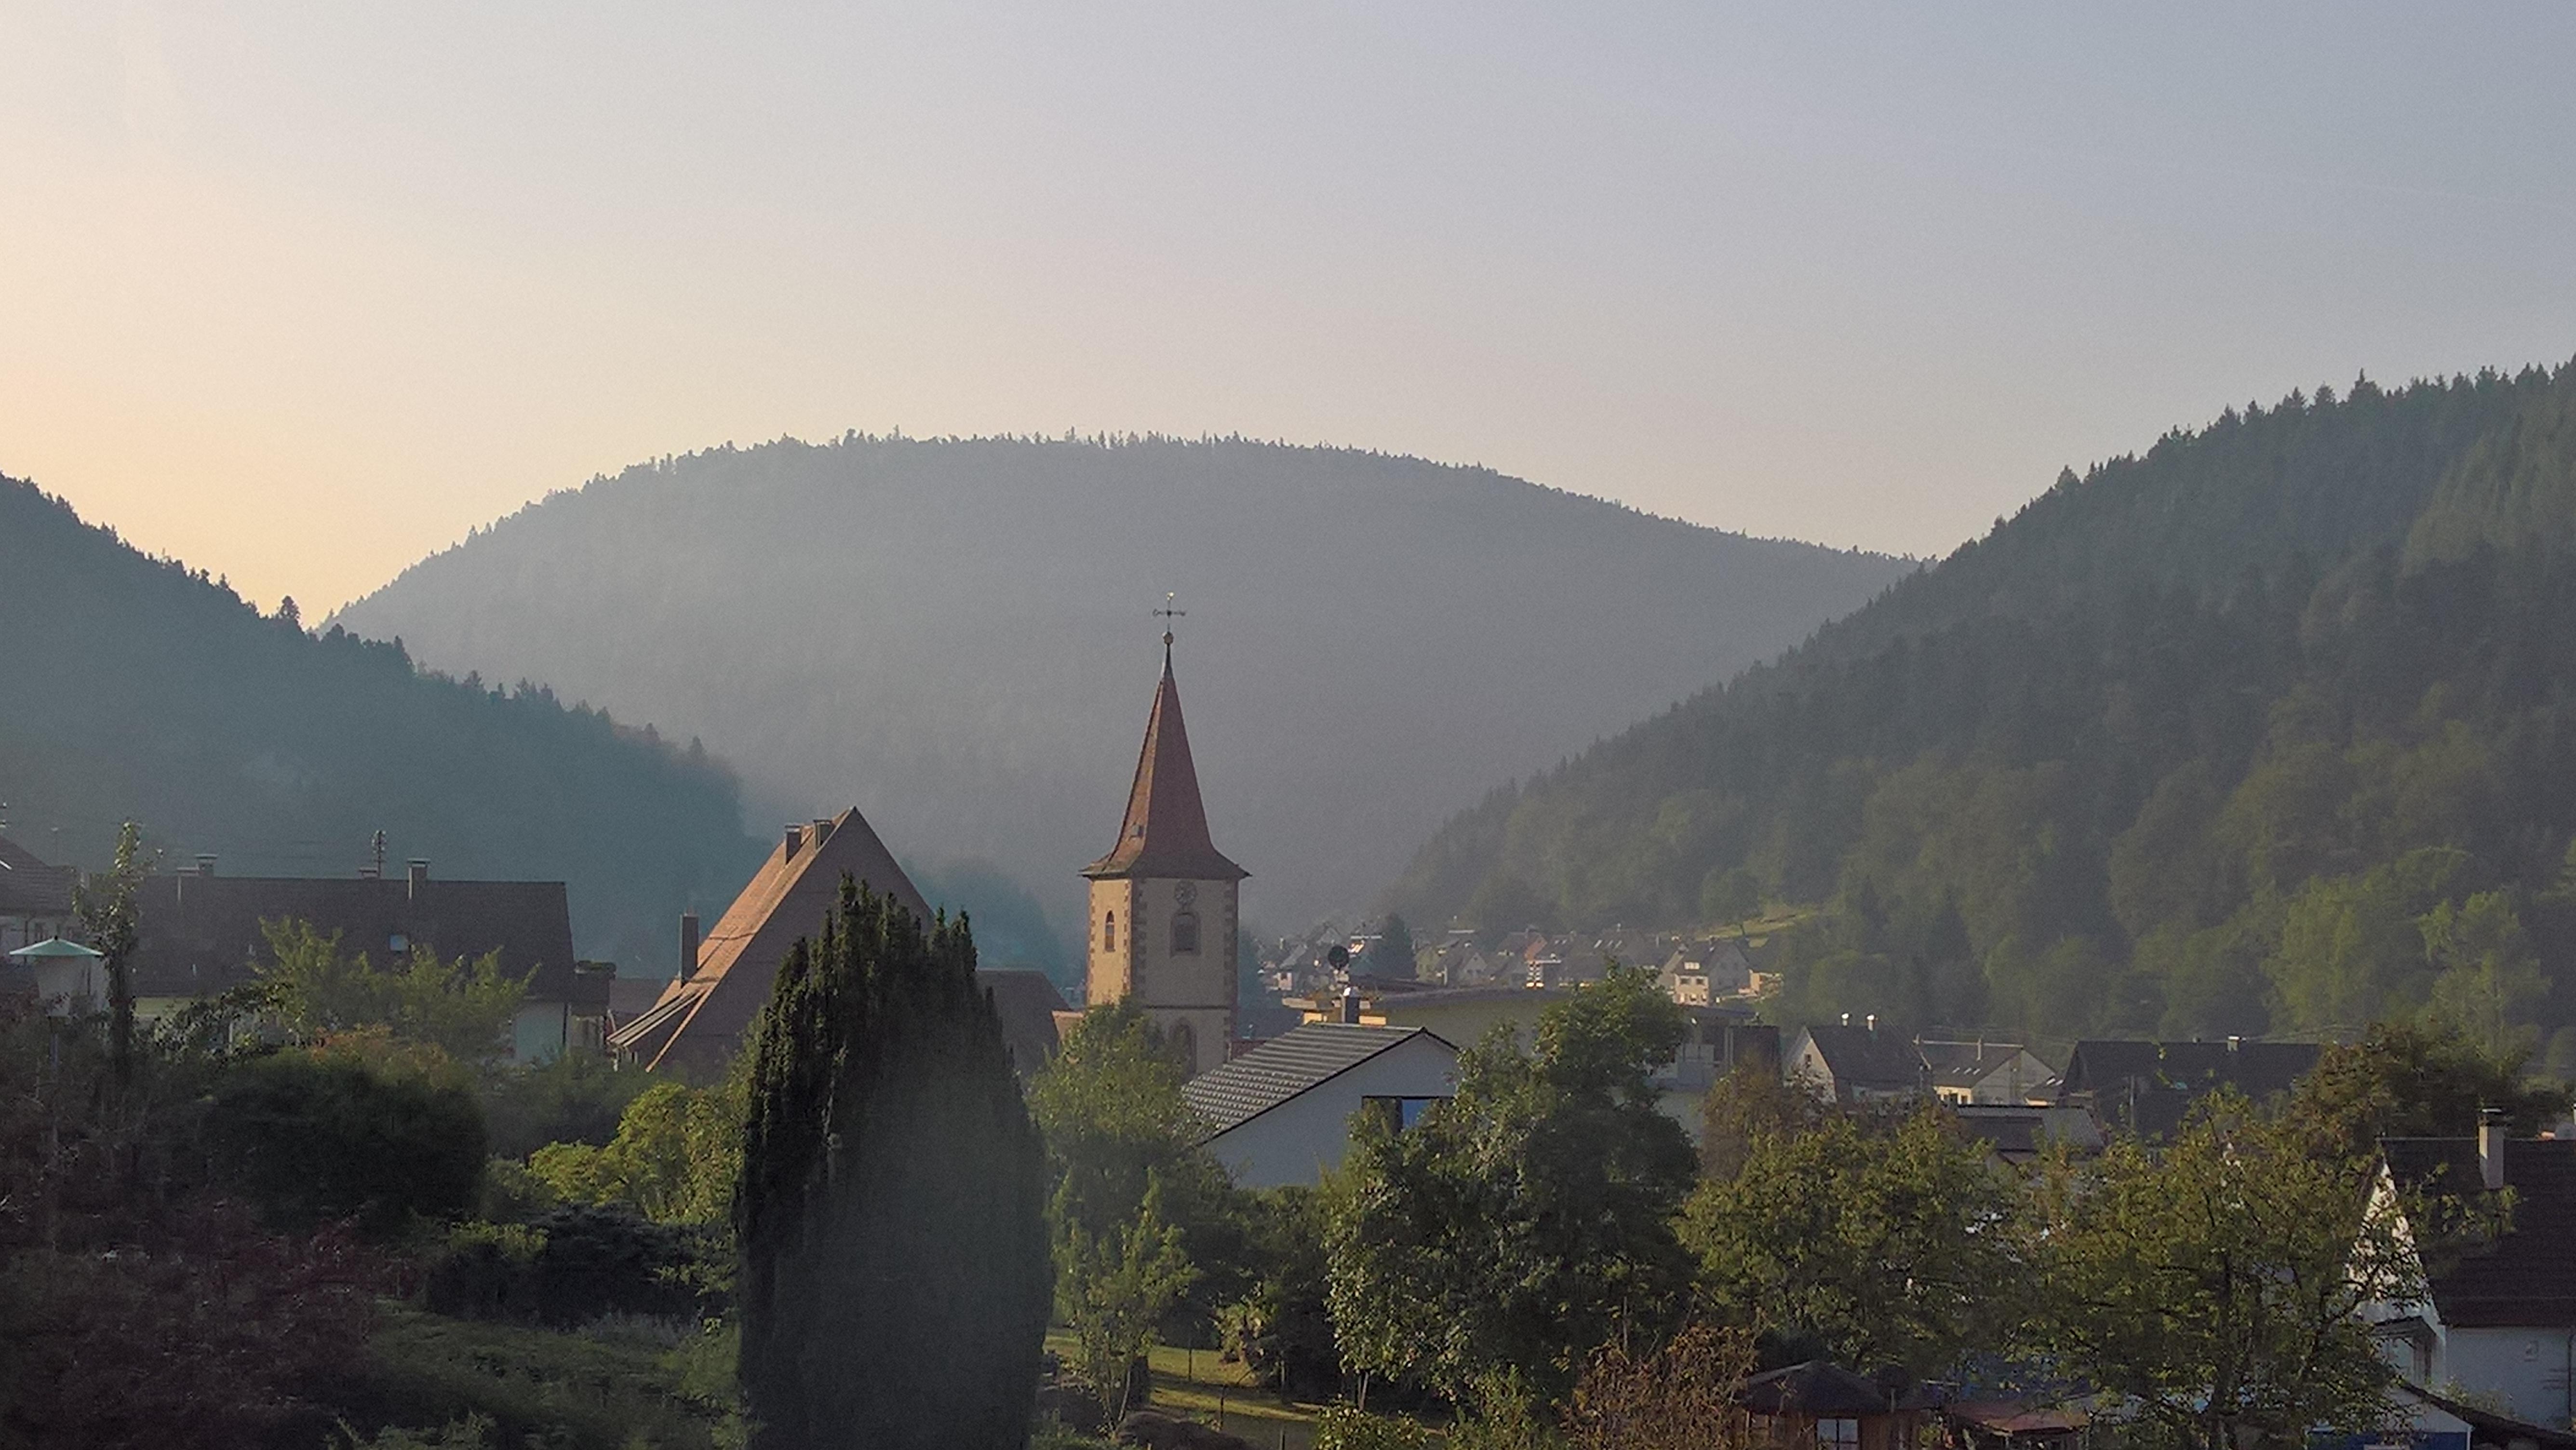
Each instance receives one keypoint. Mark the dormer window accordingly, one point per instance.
(1185, 933)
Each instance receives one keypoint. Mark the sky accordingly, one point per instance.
(302, 292)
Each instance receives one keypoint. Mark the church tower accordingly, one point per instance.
(1163, 901)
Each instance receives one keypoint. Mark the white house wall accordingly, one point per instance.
(2520, 1371)
(1302, 1138)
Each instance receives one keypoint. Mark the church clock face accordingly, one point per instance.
(1187, 893)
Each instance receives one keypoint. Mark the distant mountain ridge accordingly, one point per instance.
(134, 687)
(2200, 741)
(956, 634)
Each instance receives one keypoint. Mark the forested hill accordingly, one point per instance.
(955, 635)
(2272, 728)
(135, 687)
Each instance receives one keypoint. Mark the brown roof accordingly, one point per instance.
(199, 934)
(29, 887)
(1166, 831)
(701, 1017)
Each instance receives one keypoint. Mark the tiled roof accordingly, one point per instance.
(2149, 1087)
(198, 935)
(700, 1018)
(29, 887)
(1862, 1057)
(1165, 832)
(1238, 1091)
(2527, 1277)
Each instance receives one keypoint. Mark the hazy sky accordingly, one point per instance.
(301, 292)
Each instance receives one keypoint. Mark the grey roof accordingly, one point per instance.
(30, 887)
(1235, 1092)
(2524, 1277)
(1864, 1057)
(198, 935)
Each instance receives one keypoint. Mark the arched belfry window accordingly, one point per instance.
(1185, 933)
(1109, 932)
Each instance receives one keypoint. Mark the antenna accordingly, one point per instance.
(376, 854)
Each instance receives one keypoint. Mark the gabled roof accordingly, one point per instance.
(702, 1016)
(2149, 1087)
(1026, 1002)
(29, 887)
(198, 934)
(1965, 1064)
(1821, 1387)
(2527, 1276)
(1859, 1057)
(1233, 1093)
(1165, 832)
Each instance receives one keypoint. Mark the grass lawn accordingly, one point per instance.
(1194, 1383)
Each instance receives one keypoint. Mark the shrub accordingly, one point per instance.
(568, 1267)
(1341, 1427)
(313, 1136)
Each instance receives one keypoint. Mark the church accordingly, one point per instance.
(1163, 899)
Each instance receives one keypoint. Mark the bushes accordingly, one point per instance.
(313, 1136)
(576, 1392)
(568, 1267)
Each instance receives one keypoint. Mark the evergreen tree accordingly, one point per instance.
(1392, 958)
(895, 1278)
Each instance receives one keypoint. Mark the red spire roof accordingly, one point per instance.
(1166, 831)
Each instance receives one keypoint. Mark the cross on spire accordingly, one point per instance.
(1171, 599)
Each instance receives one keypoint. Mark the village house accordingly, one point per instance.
(35, 898)
(1820, 1405)
(1280, 1114)
(199, 933)
(2497, 1328)
(2148, 1088)
(724, 977)
(1991, 1073)
(1847, 1064)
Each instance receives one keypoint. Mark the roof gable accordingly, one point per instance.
(1306, 1057)
(785, 900)
(30, 887)
(2527, 1276)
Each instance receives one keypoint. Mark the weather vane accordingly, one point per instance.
(1171, 598)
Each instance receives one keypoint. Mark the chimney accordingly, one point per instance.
(688, 945)
(1846, 1019)
(1872, 1020)
(2491, 1148)
(2234, 1042)
(205, 863)
(1351, 1005)
(822, 832)
(795, 838)
(415, 875)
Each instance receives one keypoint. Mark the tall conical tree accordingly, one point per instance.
(895, 1277)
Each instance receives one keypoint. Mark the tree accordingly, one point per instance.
(1878, 1250)
(104, 902)
(464, 1008)
(1392, 956)
(1681, 1396)
(675, 1158)
(893, 1287)
(1730, 895)
(1117, 1286)
(1118, 1132)
(311, 1136)
(2410, 1080)
(2216, 1284)
(2490, 978)
(1528, 1221)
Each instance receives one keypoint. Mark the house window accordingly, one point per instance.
(1185, 933)
(1109, 932)
(1836, 1433)
(1399, 1113)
